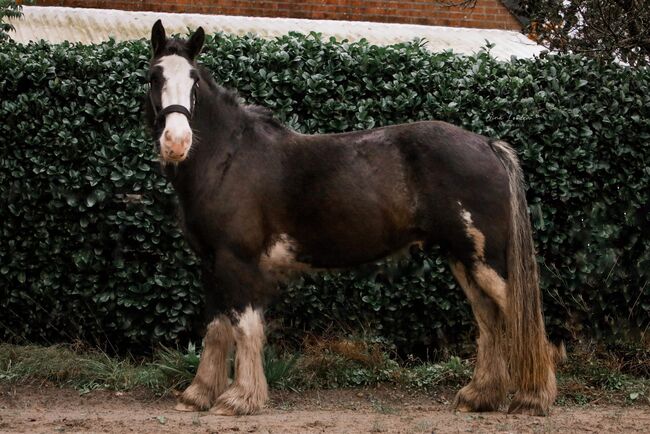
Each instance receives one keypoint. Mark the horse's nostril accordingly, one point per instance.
(168, 135)
(173, 154)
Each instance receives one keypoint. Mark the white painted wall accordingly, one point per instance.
(57, 24)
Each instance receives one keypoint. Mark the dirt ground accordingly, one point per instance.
(47, 409)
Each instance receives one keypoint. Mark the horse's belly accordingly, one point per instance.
(287, 255)
(281, 257)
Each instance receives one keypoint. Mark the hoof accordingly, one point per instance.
(237, 402)
(195, 398)
(529, 405)
(223, 410)
(464, 408)
(468, 399)
(180, 406)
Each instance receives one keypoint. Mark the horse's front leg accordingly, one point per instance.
(241, 291)
(211, 378)
(248, 392)
(234, 290)
(212, 374)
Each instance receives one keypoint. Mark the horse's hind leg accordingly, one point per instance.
(488, 387)
(212, 375)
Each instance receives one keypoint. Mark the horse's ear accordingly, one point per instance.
(158, 38)
(195, 43)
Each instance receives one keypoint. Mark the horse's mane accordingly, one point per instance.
(264, 114)
(227, 96)
(231, 97)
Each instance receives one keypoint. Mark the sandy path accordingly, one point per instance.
(48, 409)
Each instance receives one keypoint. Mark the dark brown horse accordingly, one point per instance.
(259, 201)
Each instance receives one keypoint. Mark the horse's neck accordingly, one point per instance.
(218, 126)
(223, 118)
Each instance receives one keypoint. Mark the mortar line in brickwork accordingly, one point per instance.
(367, 17)
(365, 3)
(340, 10)
(391, 5)
(302, 6)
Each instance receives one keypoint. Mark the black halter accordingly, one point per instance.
(174, 108)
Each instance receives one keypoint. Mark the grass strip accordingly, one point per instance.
(589, 376)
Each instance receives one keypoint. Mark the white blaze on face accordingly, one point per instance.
(176, 138)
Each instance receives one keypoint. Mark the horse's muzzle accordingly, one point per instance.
(176, 139)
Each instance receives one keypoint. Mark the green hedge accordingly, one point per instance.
(89, 247)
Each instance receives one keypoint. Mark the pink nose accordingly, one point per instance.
(175, 147)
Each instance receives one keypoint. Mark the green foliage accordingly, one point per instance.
(600, 379)
(344, 362)
(8, 9)
(280, 371)
(428, 376)
(89, 246)
(82, 369)
(594, 371)
(178, 367)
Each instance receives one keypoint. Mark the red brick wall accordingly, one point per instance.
(488, 14)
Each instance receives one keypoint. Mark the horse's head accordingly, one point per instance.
(173, 84)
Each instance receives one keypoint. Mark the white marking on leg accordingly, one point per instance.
(490, 282)
(489, 382)
(476, 235)
(249, 391)
(486, 277)
(250, 323)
